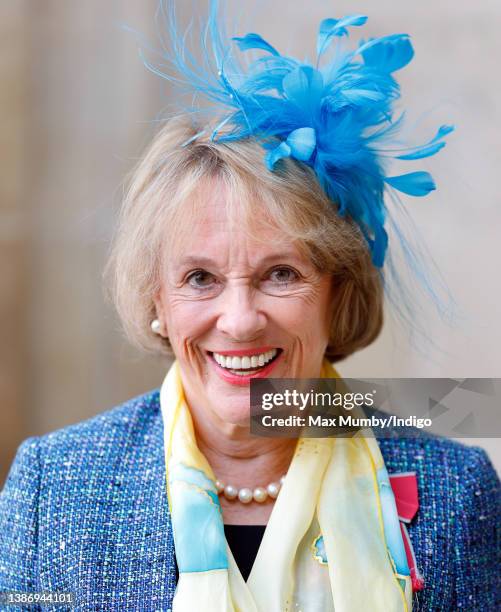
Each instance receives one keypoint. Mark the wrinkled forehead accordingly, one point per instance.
(214, 214)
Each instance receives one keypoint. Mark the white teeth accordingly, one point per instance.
(246, 362)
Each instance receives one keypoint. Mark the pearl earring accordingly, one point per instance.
(155, 326)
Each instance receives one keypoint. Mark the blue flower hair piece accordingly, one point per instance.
(336, 116)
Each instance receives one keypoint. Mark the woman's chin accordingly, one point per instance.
(234, 413)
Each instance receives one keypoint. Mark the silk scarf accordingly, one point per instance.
(332, 542)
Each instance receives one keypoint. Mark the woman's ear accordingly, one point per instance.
(160, 314)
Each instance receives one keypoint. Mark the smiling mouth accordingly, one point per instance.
(245, 365)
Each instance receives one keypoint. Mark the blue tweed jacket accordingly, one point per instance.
(85, 510)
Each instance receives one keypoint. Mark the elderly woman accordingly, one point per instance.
(244, 271)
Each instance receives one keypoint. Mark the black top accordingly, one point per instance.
(244, 541)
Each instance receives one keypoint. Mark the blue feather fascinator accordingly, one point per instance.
(336, 116)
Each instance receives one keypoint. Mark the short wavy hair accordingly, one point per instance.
(167, 178)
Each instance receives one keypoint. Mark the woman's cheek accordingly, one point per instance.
(298, 310)
(191, 317)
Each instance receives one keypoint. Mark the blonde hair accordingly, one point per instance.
(168, 176)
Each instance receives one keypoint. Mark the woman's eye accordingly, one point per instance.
(283, 275)
(201, 279)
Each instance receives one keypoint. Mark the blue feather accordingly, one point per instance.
(254, 41)
(414, 184)
(423, 152)
(271, 157)
(336, 27)
(430, 148)
(388, 54)
(302, 143)
(443, 130)
(362, 96)
(303, 87)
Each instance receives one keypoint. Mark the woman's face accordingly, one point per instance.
(237, 308)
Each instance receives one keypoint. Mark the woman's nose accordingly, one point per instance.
(239, 316)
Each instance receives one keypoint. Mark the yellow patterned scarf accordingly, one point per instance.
(332, 542)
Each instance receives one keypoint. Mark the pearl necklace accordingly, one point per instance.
(246, 495)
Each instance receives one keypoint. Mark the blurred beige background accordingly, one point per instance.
(78, 107)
